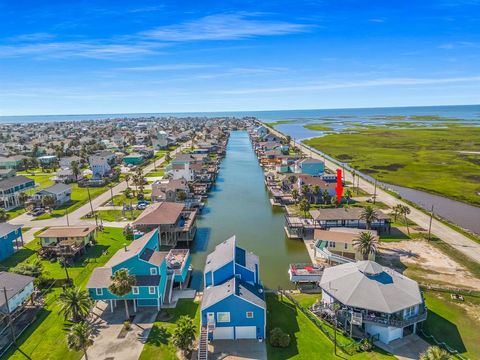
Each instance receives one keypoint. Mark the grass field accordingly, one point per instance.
(454, 322)
(429, 159)
(45, 338)
(317, 127)
(307, 341)
(159, 344)
(116, 215)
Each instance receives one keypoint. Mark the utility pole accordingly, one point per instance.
(343, 177)
(430, 225)
(9, 316)
(375, 192)
(66, 215)
(111, 194)
(90, 200)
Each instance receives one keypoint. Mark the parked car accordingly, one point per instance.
(37, 211)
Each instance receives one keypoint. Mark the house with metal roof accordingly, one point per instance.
(156, 272)
(10, 238)
(18, 289)
(66, 241)
(11, 188)
(310, 166)
(233, 304)
(373, 300)
(61, 194)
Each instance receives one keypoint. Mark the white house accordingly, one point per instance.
(161, 141)
(373, 299)
(61, 193)
(99, 166)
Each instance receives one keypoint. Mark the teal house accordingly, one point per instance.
(156, 273)
(133, 159)
(233, 304)
(309, 166)
(10, 237)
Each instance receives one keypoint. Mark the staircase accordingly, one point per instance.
(203, 344)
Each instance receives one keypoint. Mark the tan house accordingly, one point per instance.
(67, 240)
(337, 245)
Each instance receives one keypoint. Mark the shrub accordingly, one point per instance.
(366, 345)
(279, 339)
(127, 325)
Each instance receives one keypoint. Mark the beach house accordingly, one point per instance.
(233, 304)
(11, 188)
(10, 238)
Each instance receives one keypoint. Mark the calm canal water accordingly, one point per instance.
(239, 205)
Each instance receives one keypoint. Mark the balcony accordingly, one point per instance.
(305, 272)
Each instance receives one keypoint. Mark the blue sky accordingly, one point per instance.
(77, 57)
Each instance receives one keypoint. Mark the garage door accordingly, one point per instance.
(245, 332)
(223, 333)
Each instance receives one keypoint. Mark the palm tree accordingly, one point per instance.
(295, 195)
(334, 200)
(292, 179)
(404, 211)
(34, 269)
(366, 243)
(75, 169)
(184, 333)
(75, 304)
(316, 193)
(396, 210)
(127, 179)
(80, 337)
(348, 195)
(325, 196)
(435, 353)
(122, 283)
(354, 173)
(48, 201)
(305, 191)
(304, 206)
(369, 214)
(23, 197)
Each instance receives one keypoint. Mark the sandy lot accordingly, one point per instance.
(426, 263)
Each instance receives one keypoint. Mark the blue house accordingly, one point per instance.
(156, 272)
(261, 131)
(9, 234)
(310, 166)
(233, 304)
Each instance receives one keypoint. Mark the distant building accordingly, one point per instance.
(7, 173)
(161, 141)
(133, 159)
(99, 166)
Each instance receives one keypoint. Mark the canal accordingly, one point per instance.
(239, 205)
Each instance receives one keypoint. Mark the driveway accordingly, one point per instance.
(108, 344)
(460, 242)
(408, 348)
(237, 350)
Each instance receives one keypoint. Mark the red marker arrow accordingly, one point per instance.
(339, 188)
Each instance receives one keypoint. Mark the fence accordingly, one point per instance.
(350, 349)
(442, 344)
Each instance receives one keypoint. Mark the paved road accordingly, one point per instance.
(457, 240)
(75, 217)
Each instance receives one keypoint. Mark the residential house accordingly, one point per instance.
(61, 194)
(161, 140)
(309, 166)
(348, 217)
(134, 159)
(47, 160)
(99, 166)
(337, 244)
(67, 240)
(170, 190)
(173, 221)
(11, 188)
(7, 173)
(66, 162)
(19, 288)
(155, 273)
(374, 300)
(233, 304)
(67, 176)
(12, 162)
(9, 235)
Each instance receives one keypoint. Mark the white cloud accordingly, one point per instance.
(224, 27)
(166, 67)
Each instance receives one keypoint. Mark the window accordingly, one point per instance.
(223, 317)
(153, 271)
(99, 291)
(346, 246)
(249, 314)
(135, 290)
(151, 289)
(332, 243)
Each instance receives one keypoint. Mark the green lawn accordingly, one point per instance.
(429, 159)
(157, 173)
(116, 215)
(79, 198)
(454, 322)
(159, 344)
(306, 300)
(45, 338)
(317, 127)
(307, 341)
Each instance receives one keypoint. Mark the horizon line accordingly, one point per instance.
(240, 111)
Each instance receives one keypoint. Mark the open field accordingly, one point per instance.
(46, 337)
(317, 127)
(429, 159)
(159, 344)
(454, 322)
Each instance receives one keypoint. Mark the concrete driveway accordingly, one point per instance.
(408, 348)
(108, 326)
(237, 350)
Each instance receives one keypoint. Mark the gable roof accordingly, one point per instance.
(7, 228)
(67, 231)
(222, 255)
(160, 213)
(368, 285)
(352, 213)
(251, 293)
(14, 283)
(14, 181)
(56, 189)
(129, 251)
